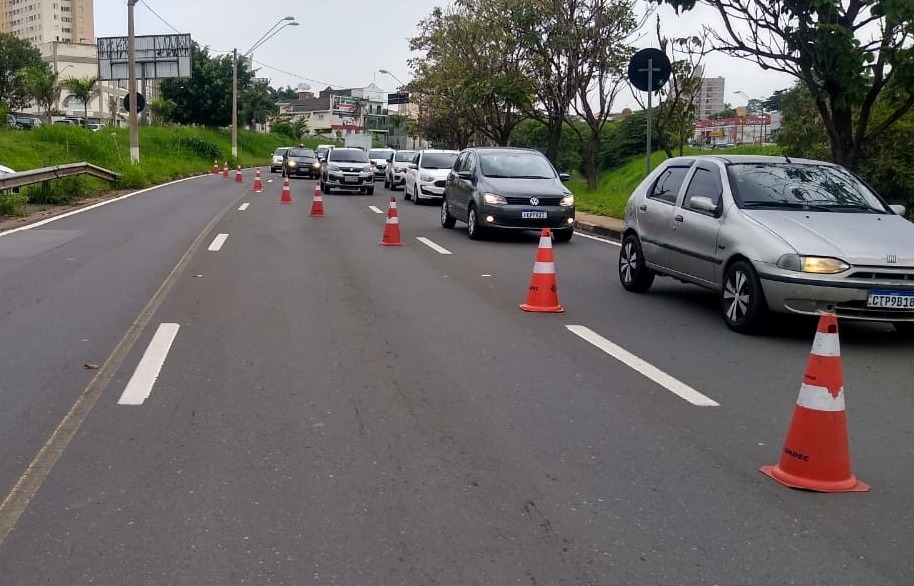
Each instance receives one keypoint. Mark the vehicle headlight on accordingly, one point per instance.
(292, 163)
(316, 164)
(367, 169)
(426, 177)
(821, 265)
(494, 199)
(567, 200)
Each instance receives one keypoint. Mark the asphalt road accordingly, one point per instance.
(333, 411)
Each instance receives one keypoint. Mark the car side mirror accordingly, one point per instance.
(703, 204)
(413, 166)
(465, 175)
(898, 209)
(563, 177)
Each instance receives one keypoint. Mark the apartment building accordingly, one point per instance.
(710, 97)
(45, 21)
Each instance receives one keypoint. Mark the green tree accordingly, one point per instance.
(286, 93)
(83, 89)
(256, 104)
(15, 56)
(43, 87)
(206, 97)
(846, 52)
(163, 111)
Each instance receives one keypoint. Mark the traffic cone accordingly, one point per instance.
(815, 454)
(215, 167)
(225, 172)
(543, 295)
(391, 235)
(238, 177)
(286, 192)
(317, 205)
(258, 185)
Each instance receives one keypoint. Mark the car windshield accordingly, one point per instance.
(280, 152)
(801, 186)
(516, 165)
(404, 156)
(438, 160)
(348, 156)
(379, 153)
(301, 153)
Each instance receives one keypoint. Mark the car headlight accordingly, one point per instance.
(334, 167)
(316, 164)
(426, 177)
(293, 164)
(399, 169)
(494, 199)
(567, 200)
(367, 169)
(821, 265)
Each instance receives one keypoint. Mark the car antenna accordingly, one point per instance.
(786, 158)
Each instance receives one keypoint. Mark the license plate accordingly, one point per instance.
(533, 214)
(891, 299)
(350, 179)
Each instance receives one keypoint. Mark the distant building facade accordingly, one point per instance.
(44, 21)
(710, 97)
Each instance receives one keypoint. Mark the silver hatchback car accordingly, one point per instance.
(771, 234)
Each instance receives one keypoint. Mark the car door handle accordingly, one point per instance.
(643, 207)
(679, 219)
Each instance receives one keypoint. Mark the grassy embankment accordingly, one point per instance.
(614, 187)
(165, 154)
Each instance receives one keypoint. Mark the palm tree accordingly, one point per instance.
(82, 88)
(45, 89)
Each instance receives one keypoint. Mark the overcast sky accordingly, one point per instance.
(344, 44)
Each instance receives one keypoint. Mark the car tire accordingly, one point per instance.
(370, 190)
(742, 300)
(633, 272)
(406, 195)
(904, 328)
(474, 230)
(447, 220)
(386, 183)
(416, 200)
(325, 188)
(563, 235)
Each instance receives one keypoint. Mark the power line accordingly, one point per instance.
(149, 8)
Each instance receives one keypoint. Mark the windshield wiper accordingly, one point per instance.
(530, 177)
(791, 205)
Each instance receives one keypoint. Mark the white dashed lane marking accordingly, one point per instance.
(243, 207)
(432, 245)
(139, 387)
(218, 241)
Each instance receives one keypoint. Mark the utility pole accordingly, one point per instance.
(131, 86)
(235, 104)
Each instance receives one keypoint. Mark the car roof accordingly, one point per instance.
(729, 159)
(448, 151)
(503, 150)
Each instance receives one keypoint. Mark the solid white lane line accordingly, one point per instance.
(597, 238)
(218, 241)
(666, 381)
(432, 245)
(375, 209)
(147, 371)
(243, 207)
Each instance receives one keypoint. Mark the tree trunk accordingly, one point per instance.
(590, 161)
(554, 127)
(843, 147)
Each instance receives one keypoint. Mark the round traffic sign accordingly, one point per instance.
(652, 61)
(140, 102)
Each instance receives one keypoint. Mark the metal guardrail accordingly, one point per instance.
(21, 178)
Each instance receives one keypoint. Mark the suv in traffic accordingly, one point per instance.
(301, 162)
(347, 168)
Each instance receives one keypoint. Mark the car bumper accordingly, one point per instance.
(398, 178)
(788, 293)
(303, 172)
(341, 181)
(512, 218)
(429, 190)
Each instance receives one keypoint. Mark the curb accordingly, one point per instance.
(598, 230)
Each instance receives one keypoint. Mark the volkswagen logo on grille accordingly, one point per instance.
(891, 258)
(534, 201)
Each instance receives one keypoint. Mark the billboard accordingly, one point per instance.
(345, 105)
(157, 57)
(398, 98)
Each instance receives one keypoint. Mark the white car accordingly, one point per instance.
(379, 159)
(395, 174)
(426, 174)
(4, 170)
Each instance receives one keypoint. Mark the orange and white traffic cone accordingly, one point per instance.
(391, 236)
(258, 184)
(215, 167)
(286, 192)
(225, 172)
(815, 454)
(317, 205)
(542, 296)
(238, 177)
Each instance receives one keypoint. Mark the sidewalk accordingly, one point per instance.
(599, 225)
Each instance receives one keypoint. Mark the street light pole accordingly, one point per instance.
(399, 90)
(131, 86)
(266, 37)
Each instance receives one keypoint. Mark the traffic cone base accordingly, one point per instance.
(815, 455)
(542, 295)
(225, 172)
(317, 205)
(238, 177)
(215, 167)
(391, 236)
(286, 192)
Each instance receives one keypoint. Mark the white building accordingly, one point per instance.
(710, 97)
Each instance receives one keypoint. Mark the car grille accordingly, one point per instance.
(440, 183)
(525, 201)
(900, 276)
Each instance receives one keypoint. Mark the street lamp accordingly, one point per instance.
(289, 21)
(399, 89)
